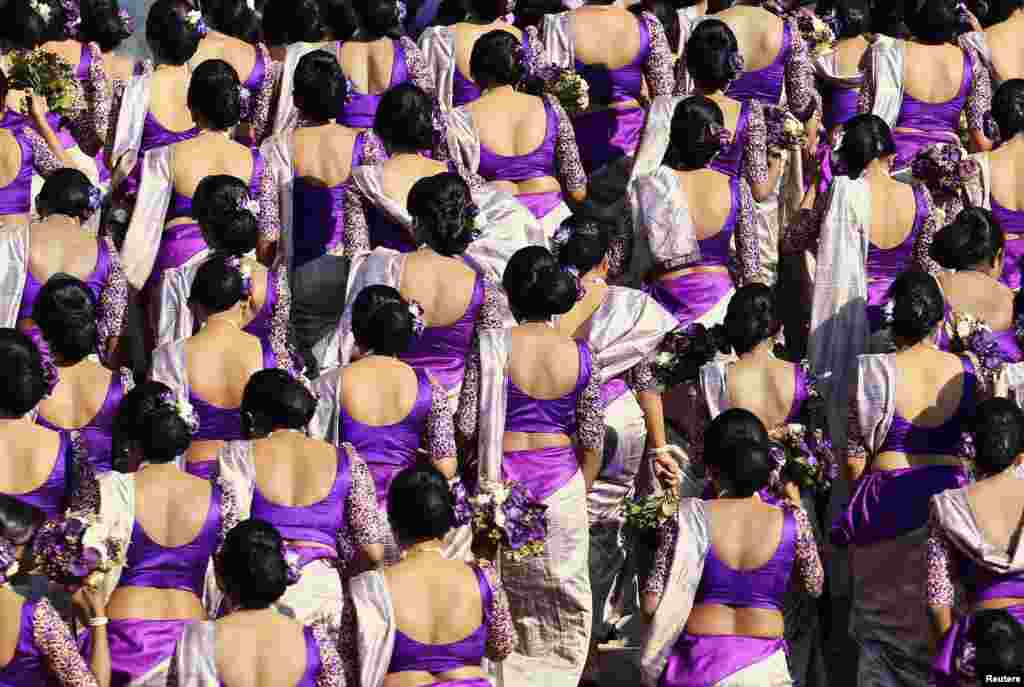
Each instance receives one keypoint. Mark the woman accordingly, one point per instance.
(274, 649)
(730, 561)
(996, 45)
(107, 26)
(285, 476)
(972, 249)
(163, 232)
(286, 26)
(458, 610)
(523, 143)
(170, 524)
(971, 542)
(383, 407)
(36, 641)
(311, 165)
(529, 389)
(923, 105)
(448, 50)
(85, 401)
(904, 446)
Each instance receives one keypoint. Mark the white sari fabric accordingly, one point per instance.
(172, 313)
(14, 259)
(977, 43)
(886, 62)
(169, 367)
(375, 617)
(278, 151)
(131, 119)
(437, 44)
(142, 239)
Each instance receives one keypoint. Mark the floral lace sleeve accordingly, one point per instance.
(501, 636)
(117, 88)
(748, 252)
(365, 527)
(658, 66)
(805, 228)
(979, 99)
(348, 651)
(270, 206)
(113, 298)
(590, 413)
(440, 424)
(489, 317)
(357, 233)
(54, 640)
(85, 494)
(808, 561)
(801, 94)
(668, 532)
(419, 72)
(755, 147)
(701, 420)
(331, 673)
(90, 127)
(939, 560)
(923, 242)
(264, 100)
(229, 509)
(45, 160)
(855, 447)
(567, 153)
(866, 98)
(640, 377)
(373, 149)
(681, 76)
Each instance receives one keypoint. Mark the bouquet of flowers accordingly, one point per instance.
(570, 88)
(808, 454)
(817, 34)
(650, 512)
(944, 168)
(505, 513)
(78, 548)
(971, 335)
(784, 130)
(46, 75)
(681, 354)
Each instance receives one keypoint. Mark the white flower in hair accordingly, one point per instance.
(193, 18)
(42, 9)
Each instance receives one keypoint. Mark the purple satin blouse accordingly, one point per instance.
(538, 163)
(361, 108)
(555, 416)
(224, 424)
(916, 114)
(51, 495)
(1012, 222)
(730, 160)
(155, 135)
(765, 85)
(885, 264)
(16, 197)
(618, 85)
(95, 281)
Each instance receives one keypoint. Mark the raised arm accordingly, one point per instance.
(940, 585)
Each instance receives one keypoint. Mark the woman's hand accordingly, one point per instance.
(37, 107)
(90, 602)
(792, 493)
(667, 468)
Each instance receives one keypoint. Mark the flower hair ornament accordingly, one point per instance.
(42, 8)
(403, 11)
(245, 202)
(72, 17)
(50, 374)
(95, 198)
(778, 455)
(194, 20)
(245, 270)
(292, 563)
(244, 103)
(510, 8)
(721, 136)
(469, 215)
(418, 325)
(990, 127)
(561, 237)
(8, 561)
(182, 408)
(127, 23)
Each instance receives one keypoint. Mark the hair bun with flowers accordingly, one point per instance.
(50, 374)
(244, 270)
(72, 18)
(182, 408)
(42, 8)
(194, 20)
(418, 324)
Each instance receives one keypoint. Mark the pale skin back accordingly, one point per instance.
(1007, 173)
(709, 199)
(758, 32)
(893, 208)
(219, 361)
(168, 97)
(764, 385)
(379, 391)
(465, 38)
(208, 153)
(28, 458)
(68, 50)
(442, 285)
(368, 65)
(294, 470)
(79, 395)
(401, 172)
(605, 35)
(933, 73)
(117, 67)
(260, 649)
(980, 295)
(323, 154)
(59, 244)
(850, 52)
(1004, 42)
(218, 46)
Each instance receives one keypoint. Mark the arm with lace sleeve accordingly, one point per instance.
(45, 160)
(331, 672)
(866, 97)
(979, 99)
(489, 317)
(365, 525)
(501, 637)
(856, 449)
(755, 148)
(640, 377)
(801, 93)
(658, 65)
(939, 559)
(590, 414)
(348, 650)
(808, 562)
(567, 153)
(357, 233)
(419, 71)
(805, 228)
(269, 220)
(90, 127)
(113, 300)
(667, 534)
(373, 149)
(701, 420)
(441, 428)
(748, 252)
(923, 242)
(264, 101)
(53, 639)
(229, 508)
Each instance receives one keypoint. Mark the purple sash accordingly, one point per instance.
(607, 135)
(706, 660)
(542, 471)
(690, 296)
(139, 646)
(177, 245)
(540, 204)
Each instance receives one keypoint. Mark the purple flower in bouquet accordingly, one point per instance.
(76, 549)
(463, 511)
(985, 346)
(244, 104)
(944, 167)
(990, 127)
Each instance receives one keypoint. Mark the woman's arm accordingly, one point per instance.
(366, 528)
(44, 155)
(567, 156)
(590, 431)
(748, 249)
(801, 234)
(357, 233)
(808, 561)
(658, 65)
(761, 169)
(940, 587)
(923, 243)
(802, 97)
(53, 639)
(667, 535)
(979, 101)
(269, 219)
(501, 636)
(441, 432)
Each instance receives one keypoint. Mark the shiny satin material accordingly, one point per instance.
(318, 522)
(765, 85)
(389, 449)
(542, 471)
(224, 424)
(730, 160)
(916, 114)
(690, 296)
(606, 135)
(985, 585)
(149, 564)
(361, 108)
(16, 197)
(841, 104)
(177, 245)
(706, 660)
(624, 83)
(542, 204)
(463, 90)
(50, 496)
(259, 72)
(885, 264)
(410, 655)
(945, 669)
(28, 666)
(140, 650)
(535, 164)
(385, 232)
(714, 250)
(554, 416)
(156, 135)
(262, 324)
(97, 435)
(95, 282)
(1012, 222)
(443, 350)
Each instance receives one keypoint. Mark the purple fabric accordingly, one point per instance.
(841, 105)
(764, 85)
(540, 204)
(308, 554)
(606, 135)
(714, 250)
(982, 584)
(885, 264)
(95, 281)
(463, 90)
(149, 564)
(177, 245)
(386, 232)
(890, 503)
(137, 646)
(410, 655)
(541, 471)
(800, 393)
(254, 82)
(318, 522)
(690, 296)
(706, 660)
(443, 350)
(216, 423)
(538, 163)
(97, 435)
(1009, 345)
(155, 135)
(314, 665)
(62, 132)
(16, 197)
(910, 143)
(613, 390)
(50, 496)
(945, 672)
(389, 449)
(915, 114)
(180, 206)
(730, 160)
(203, 469)
(361, 108)
(261, 324)
(617, 85)
(464, 682)
(762, 587)
(555, 416)
(28, 666)
(1012, 222)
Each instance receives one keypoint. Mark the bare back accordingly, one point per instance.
(379, 391)
(1006, 47)
(401, 172)
(78, 396)
(218, 46)
(368, 65)
(168, 98)
(849, 54)
(765, 386)
(933, 73)
(220, 363)
(294, 470)
(55, 247)
(731, 109)
(605, 35)
(323, 154)
(118, 67)
(544, 364)
(443, 286)
(708, 194)
(29, 455)
(205, 155)
(11, 158)
(264, 650)
(1007, 175)
(979, 295)
(510, 123)
(68, 50)
(893, 211)
(759, 34)
(465, 38)
(997, 504)
(11, 605)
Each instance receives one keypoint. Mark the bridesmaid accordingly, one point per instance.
(460, 609)
(996, 45)
(85, 401)
(36, 641)
(107, 26)
(287, 24)
(264, 645)
(529, 389)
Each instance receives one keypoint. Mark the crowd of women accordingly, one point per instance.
(474, 342)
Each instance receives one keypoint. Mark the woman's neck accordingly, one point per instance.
(765, 349)
(229, 318)
(14, 421)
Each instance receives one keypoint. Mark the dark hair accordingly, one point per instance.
(998, 639)
(998, 430)
(692, 143)
(404, 119)
(382, 321)
(488, 10)
(169, 36)
(537, 286)
(218, 284)
(102, 24)
(420, 504)
(217, 206)
(709, 53)
(65, 311)
(28, 29)
(273, 399)
(252, 566)
(213, 93)
(974, 238)
(438, 204)
(529, 12)
(19, 520)
(751, 318)
(918, 305)
(1001, 10)
(933, 21)
(4, 87)
(746, 465)
(233, 18)
(378, 19)
(853, 18)
(286, 22)
(668, 15)
(340, 18)
(24, 382)
(320, 86)
(161, 433)
(587, 245)
(1008, 108)
(866, 138)
(732, 426)
(66, 192)
(495, 61)
(888, 19)
(134, 405)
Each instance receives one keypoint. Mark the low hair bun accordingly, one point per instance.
(696, 134)
(444, 213)
(918, 305)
